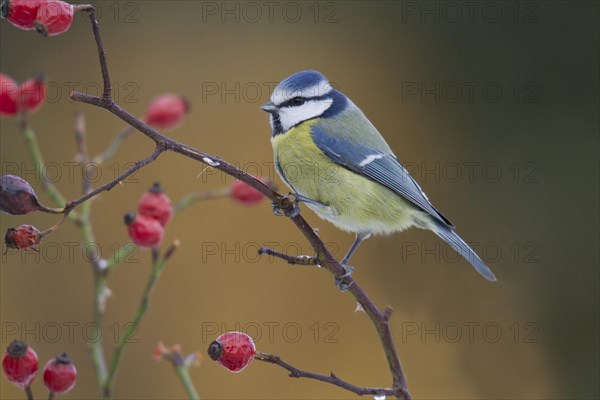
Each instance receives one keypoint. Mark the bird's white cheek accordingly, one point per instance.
(287, 119)
(292, 116)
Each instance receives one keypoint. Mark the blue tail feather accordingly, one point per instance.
(463, 249)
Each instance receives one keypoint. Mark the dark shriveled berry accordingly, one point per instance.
(17, 196)
(23, 237)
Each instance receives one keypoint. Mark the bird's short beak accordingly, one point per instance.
(269, 107)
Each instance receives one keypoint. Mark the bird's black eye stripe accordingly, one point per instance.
(294, 102)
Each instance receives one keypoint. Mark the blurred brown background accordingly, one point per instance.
(494, 107)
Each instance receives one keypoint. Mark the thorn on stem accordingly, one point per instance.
(169, 253)
(387, 313)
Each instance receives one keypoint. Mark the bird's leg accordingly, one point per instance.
(360, 237)
(304, 199)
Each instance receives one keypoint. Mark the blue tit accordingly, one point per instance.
(335, 160)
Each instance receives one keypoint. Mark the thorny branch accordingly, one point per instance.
(323, 257)
(332, 378)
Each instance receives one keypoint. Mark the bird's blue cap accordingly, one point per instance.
(307, 84)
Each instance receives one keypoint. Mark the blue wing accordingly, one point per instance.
(380, 166)
(377, 163)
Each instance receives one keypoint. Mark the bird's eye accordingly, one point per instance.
(297, 101)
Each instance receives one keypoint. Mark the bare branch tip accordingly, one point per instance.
(387, 313)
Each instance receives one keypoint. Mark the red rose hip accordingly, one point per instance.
(156, 204)
(21, 13)
(233, 350)
(246, 194)
(144, 231)
(60, 374)
(54, 17)
(167, 111)
(20, 364)
(32, 93)
(9, 98)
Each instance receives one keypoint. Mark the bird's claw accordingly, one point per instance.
(286, 207)
(277, 210)
(339, 280)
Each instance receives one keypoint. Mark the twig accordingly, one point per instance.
(28, 392)
(379, 318)
(157, 267)
(332, 378)
(181, 365)
(183, 373)
(91, 11)
(99, 307)
(68, 207)
(182, 369)
(175, 146)
(201, 196)
(81, 220)
(39, 164)
(324, 258)
(101, 290)
(82, 153)
(109, 185)
(295, 260)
